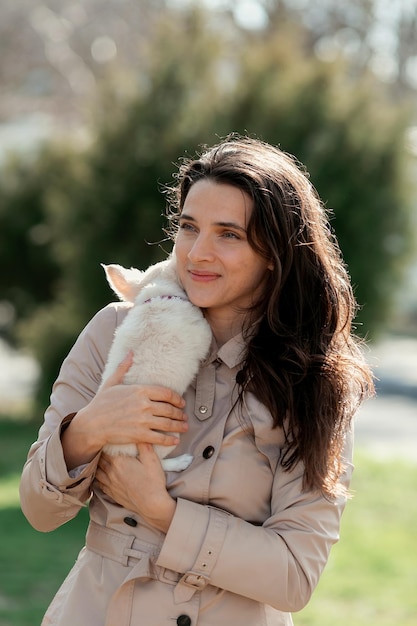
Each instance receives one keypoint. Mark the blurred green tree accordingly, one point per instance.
(197, 83)
(29, 268)
(351, 139)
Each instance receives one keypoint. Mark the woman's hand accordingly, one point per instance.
(124, 414)
(139, 485)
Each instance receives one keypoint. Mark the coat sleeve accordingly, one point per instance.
(49, 495)
(278, 563)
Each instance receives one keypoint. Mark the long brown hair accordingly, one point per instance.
(303, 362)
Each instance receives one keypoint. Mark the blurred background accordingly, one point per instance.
(98, 102)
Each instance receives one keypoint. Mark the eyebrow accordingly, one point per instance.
(189, 218)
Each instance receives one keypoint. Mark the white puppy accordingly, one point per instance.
(167, 334)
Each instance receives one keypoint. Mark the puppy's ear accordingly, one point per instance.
(125, 282)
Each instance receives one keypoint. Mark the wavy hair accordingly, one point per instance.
(303, 362)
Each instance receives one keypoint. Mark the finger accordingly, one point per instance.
(145, 449)
(166, 395)
(168, 425)
(104, 460)
(118, 375)
(102, 467)
(154, 437)
(147, 453)
(105, 465)
(167, 411)
(100, 476)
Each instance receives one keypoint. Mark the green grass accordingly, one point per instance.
(32, 564)
(370, 579)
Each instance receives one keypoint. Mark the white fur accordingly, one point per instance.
(167, 334)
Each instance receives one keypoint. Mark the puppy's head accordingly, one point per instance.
(128, 283)
(124, 282)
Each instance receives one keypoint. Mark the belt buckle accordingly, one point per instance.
(195, 580)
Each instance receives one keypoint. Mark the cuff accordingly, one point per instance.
(185, 536)
(54, 469)
(192, 545)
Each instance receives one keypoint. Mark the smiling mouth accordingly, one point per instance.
(203, 276)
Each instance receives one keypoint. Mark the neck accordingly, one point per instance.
(224, 327)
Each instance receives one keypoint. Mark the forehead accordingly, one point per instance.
(212, 201)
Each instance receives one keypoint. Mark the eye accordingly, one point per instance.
(187, 226)
(229, 234)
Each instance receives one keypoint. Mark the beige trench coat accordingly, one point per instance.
(246, 545)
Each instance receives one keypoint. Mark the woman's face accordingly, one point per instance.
(217, 267)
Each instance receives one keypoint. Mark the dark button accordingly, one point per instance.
(184, 620)
(208, 452)
(130, 521)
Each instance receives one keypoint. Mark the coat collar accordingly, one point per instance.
(232, 353)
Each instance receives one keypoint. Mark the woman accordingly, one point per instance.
(241, 536)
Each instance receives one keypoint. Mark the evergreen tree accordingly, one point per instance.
(103, 203)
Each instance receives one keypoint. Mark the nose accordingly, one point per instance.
(201, 250)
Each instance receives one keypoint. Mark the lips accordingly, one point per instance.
(203, 276)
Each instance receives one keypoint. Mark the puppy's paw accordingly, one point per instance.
(177, 464)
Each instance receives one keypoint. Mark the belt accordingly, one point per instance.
(140, 557)
(126, 549)
(117, 546)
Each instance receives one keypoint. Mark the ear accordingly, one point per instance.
(124, 282)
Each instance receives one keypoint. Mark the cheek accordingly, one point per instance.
(181, 258)
(182, 242)
(179, 249)
(260, 276)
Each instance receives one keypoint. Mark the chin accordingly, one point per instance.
(195, 296)
(200, 302)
